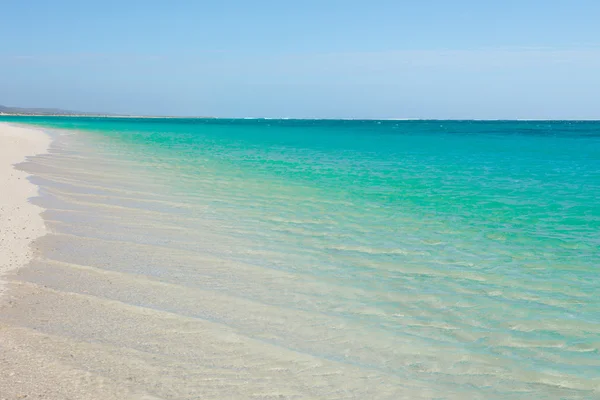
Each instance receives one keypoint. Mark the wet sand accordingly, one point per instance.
(29, 365)
(20, 221)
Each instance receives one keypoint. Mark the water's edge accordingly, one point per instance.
(20, 220)
(177, 269)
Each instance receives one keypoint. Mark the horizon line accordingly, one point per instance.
(109, 115)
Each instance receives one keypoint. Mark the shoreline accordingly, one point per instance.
(185, 274)
(20, 220)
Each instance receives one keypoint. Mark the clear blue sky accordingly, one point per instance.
(309, 58)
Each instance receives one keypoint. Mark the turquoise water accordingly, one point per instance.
(428, 259)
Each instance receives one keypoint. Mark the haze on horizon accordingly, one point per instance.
(325, 59)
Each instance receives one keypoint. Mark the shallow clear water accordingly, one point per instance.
(324, 259)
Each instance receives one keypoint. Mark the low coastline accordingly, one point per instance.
(20, 221)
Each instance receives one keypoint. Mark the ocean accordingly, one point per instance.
(333, 259)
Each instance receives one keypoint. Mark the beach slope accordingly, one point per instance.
(20, 221)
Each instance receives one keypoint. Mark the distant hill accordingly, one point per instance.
(42, 111)
(4, 110)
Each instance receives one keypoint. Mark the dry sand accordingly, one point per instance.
(20, 221)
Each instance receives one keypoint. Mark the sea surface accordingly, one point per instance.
(293, 259)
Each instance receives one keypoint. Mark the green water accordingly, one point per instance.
(433, 258)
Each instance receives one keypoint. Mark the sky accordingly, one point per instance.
(463, 59)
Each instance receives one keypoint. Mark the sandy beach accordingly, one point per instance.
(258, 260)
(28, 366)
(20, 224)
(20, 221)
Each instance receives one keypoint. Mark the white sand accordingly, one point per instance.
(20, 221)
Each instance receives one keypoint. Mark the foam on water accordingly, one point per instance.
(319, 259)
